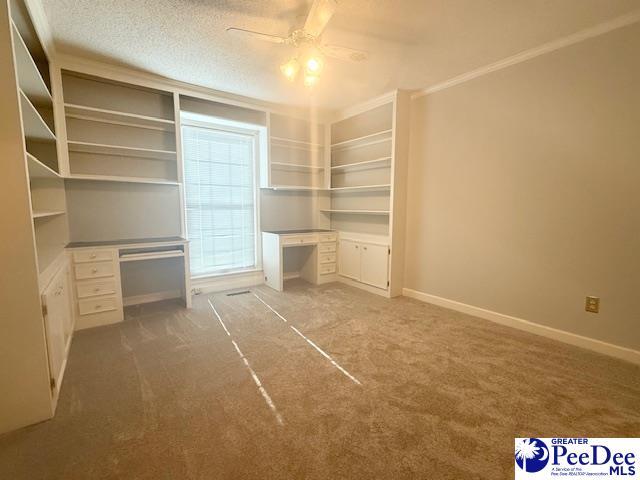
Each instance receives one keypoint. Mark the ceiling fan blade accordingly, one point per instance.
(257, 35)
(344, 53)
(319, 15)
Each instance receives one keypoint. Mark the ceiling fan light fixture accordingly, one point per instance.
(290, 69)
(310, 80)
(313, 65)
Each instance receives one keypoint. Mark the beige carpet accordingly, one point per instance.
(166, 394)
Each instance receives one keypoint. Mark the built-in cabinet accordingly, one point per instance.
(58, 319)
(367, 263)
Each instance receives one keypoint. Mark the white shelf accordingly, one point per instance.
(117, 117)
(362, 188)
(37, 169)
(29, 78)
(359, 212)
(105, 178)
(366, 163)
(296, 167)
(47, 213)
(103, 149)
(35, 127)
(288, 142)
(293, 187)
(134, 257)
(371, 139)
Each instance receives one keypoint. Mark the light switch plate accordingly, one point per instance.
(592, 304)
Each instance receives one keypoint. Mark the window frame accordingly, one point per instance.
(234, 128)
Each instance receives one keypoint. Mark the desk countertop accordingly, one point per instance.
(134, 241)
(295, 232)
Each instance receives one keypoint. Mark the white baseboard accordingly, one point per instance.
(227, 282)
(151, 297)
(290, 275)
(610, 349)
(363, 286)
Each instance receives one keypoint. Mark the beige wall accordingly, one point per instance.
(524, 190)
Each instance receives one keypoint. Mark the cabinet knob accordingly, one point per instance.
(94, 270)
(97, 307)
(97, 289)
(93, 255)
(356, 247)
(364, 248)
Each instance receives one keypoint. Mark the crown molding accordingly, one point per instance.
(582, 35)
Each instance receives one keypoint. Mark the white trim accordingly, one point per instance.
(227, 282)
(151, 297)
(548, 47)
(364, 106)
(362, 286)
(599, 346)
(41, 24)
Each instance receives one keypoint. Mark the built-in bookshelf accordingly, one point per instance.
(119, 132)
(297, 157)
(46, 186)
(368, 167)
(361, 162)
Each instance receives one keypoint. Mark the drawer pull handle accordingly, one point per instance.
(93, 255)
(94, 270)
(97, 289)
(364, 248)
(97, 307)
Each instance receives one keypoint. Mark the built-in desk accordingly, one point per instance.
(318, 267)
(96, 267)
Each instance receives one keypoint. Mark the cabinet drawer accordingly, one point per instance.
(97, 305)
(94, 270)
(328, 237)
(93, 289)
(299, 239)
(328, 258)
(327, 247)
(327, 268)
(85, 256)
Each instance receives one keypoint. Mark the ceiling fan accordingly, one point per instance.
(310, 52)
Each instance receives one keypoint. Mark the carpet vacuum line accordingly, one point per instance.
(261, 389)
(310, 342)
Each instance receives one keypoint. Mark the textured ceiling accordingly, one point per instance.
(412, 43)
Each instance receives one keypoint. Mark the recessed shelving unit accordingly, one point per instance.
(297, 155)
(119, 132)
(361, 166)
(46, 186)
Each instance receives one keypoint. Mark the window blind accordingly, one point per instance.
(220, 199)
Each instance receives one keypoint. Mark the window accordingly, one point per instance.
(220, 197)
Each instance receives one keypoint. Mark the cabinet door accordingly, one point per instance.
(56, 303)
(349, 256)
(375, 264)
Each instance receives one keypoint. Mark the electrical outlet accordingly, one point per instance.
(592, 304)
